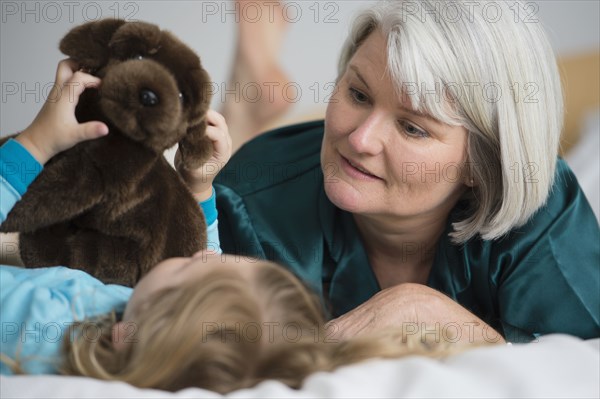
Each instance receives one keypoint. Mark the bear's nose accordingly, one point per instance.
(148, 98)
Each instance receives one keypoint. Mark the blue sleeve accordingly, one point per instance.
(38, 305)
(18, 168)
(209, 207)
(8, 198)
(212, 238)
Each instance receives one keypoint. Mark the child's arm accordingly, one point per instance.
(54, 129)
(200, 180)
(18, 168)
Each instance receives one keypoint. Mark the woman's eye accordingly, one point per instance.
(357, 96)
(412, 130)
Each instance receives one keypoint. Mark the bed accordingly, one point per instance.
(553, 366)
(557, 366)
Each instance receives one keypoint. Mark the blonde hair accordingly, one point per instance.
(501, 81)
(225, 333)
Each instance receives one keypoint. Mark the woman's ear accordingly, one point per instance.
(467, 172)
(469, 181)
(123, 335)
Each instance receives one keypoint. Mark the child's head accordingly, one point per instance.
(220, 323)
(261, 281)
(207, 321)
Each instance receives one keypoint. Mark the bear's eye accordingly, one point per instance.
(181, 98)
(138, 57)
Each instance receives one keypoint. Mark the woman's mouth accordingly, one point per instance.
(357, 171)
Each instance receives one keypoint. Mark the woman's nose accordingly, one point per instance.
(369, 136)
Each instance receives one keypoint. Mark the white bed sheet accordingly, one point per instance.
(584, 159)
(557, 366)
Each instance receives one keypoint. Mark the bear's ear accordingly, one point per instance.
(88, 44)
(135, 39)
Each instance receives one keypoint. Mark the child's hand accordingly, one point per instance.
(200, 180)
(55, 128)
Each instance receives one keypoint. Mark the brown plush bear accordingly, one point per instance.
(114, 207)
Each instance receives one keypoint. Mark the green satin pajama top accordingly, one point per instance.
(541, 278)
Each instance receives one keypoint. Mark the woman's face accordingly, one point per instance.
(379, 157)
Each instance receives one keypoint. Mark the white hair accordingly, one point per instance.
(492, 71)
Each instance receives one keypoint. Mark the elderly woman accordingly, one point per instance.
(431, 197)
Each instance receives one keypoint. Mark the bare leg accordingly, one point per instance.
(256, 67)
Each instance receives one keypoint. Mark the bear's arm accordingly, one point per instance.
(66, 188)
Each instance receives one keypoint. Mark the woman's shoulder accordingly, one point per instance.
(560, 237)
(565, 194)
(565, 217)
(541, 277)
(280, 155)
